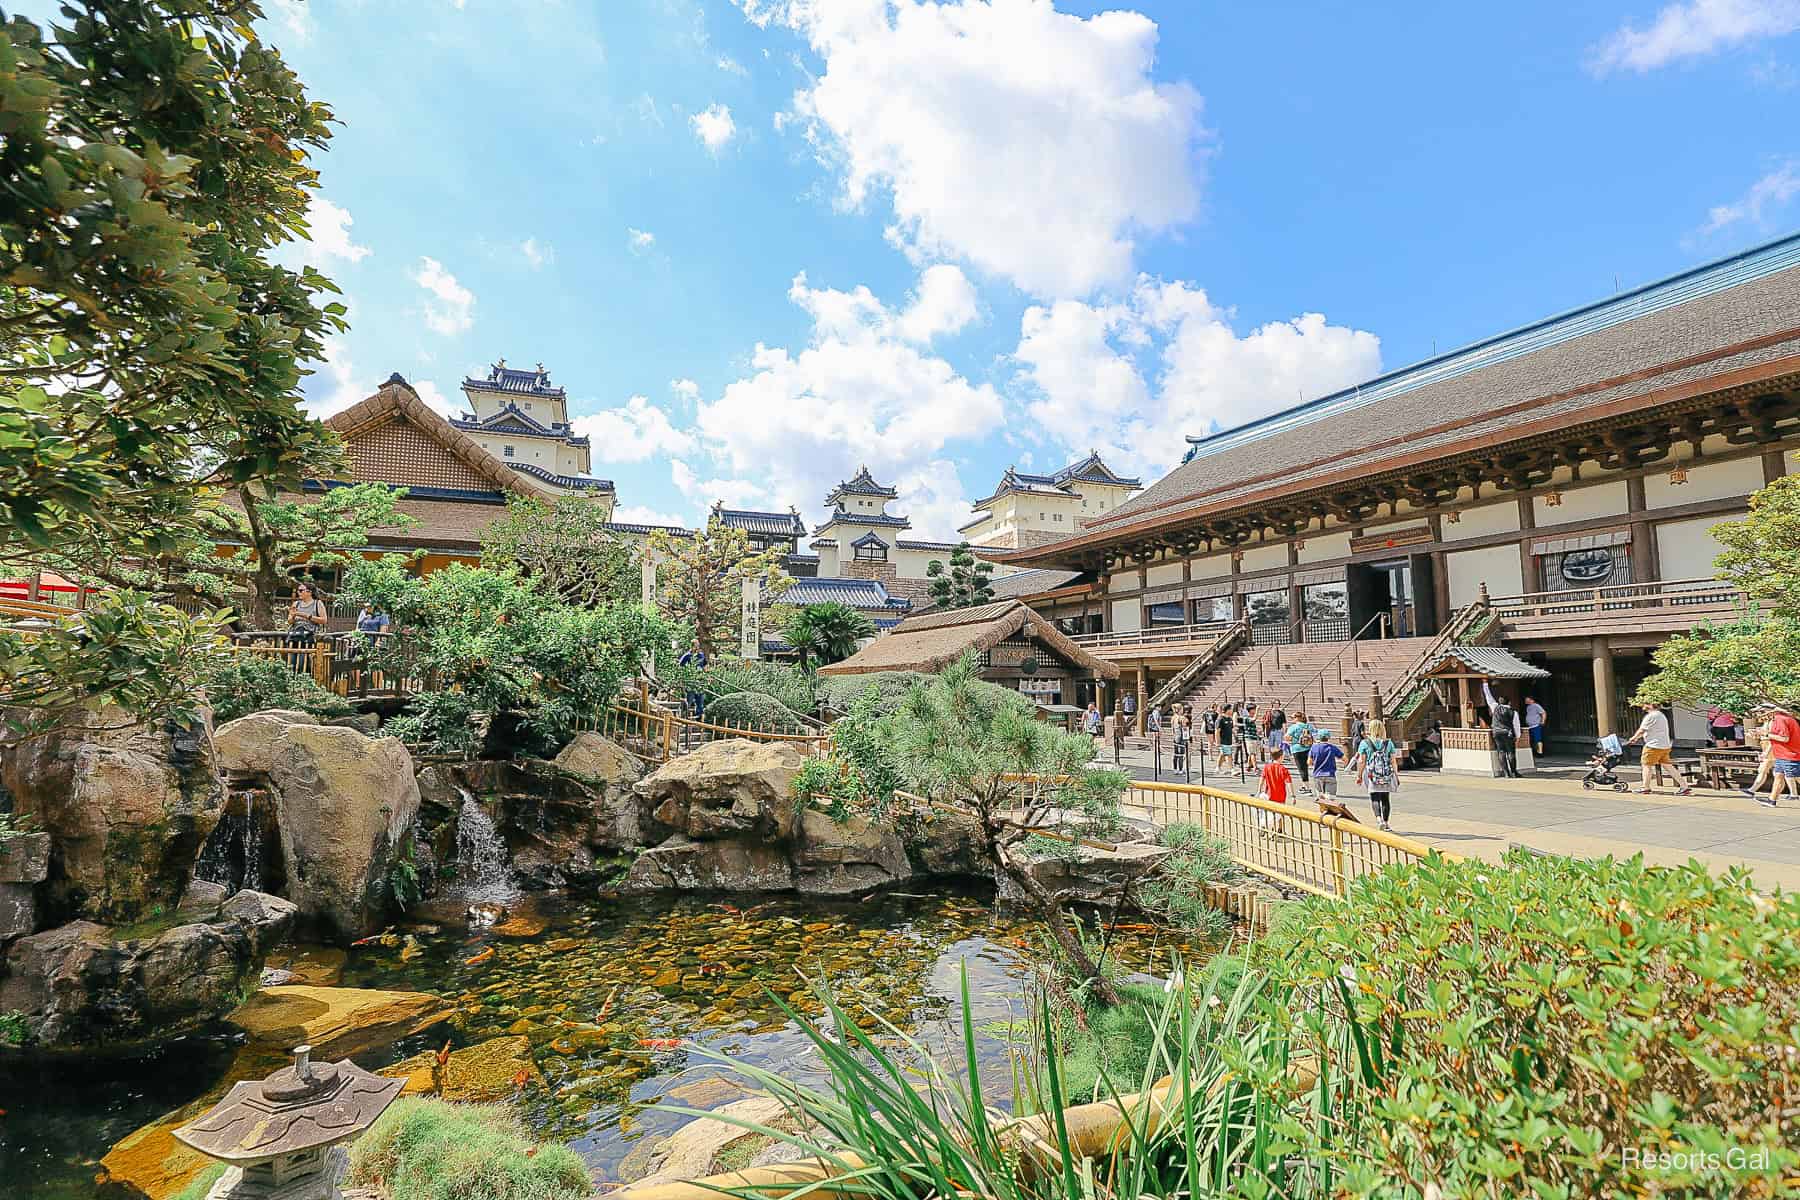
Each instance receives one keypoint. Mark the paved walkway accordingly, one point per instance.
(1551, 811)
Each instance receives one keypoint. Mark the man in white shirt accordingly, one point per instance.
(1659, 750)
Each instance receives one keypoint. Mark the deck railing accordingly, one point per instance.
(1154, 635)
(1625, 597)
(658, 733)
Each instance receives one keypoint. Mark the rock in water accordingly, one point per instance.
(734, 865)
(832, 859)
(729, 788)
(247, 746)
(126, 805)
(344, 803)
(81, 983)
(336, 1022)
(615, 824)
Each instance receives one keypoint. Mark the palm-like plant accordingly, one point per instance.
(825, 633)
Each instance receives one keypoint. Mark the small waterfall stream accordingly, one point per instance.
(483, 874)
(233, 854)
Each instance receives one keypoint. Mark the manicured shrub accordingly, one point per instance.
(1546, 1028)
(753, 710)
(1177, 891)
(425, 1149)
(243, 684)
(838, 692)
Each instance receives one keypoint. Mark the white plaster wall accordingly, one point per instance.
(1686, 549)
(1322, 546)
(1480, 522)
(1127, 616)
(1213, 566)
(1122, 581)
(1261, 558)
(1498, 565)
(1163, 573)
(1709, 481)
(1582, 504)
(911, 564)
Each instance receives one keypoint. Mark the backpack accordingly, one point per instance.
(1380, 761)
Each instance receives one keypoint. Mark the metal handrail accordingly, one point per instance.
(1270, 648)
(1204, 661)
(1350, 647)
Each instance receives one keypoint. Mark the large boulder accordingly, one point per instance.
(344, 803)
(946, 842)
(725, 789)
(336, 1022)
(833, 858)
(247, 746)
(81, 983)
(1093, 874)
(127, 806)
(598, 759)
(733, 865)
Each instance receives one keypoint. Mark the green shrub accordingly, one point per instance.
(754, 710)
(1177, 891)
(789, 686)
(1514, 1030)
(244, 683)
(423, 1149)
(838, 692)
(1109, 1042)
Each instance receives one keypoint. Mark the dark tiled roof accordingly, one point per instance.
(502, 378)
(934, 640)
(860, 484)
(1085, 470)
(1738, 313)
(857, 593)
(1021, 584)
(779, 524)
(582, 483)
(634, 527)
(870, 538)
(906, 544)
(839, 515)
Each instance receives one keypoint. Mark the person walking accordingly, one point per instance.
(1784, 748)
(1503, 721)
(1354, 735)
(1757, 732)
(1659, 750)
(1184, 737)
(1299, 741)
(1323, 759)
(1225, 735)
(1377, 763)
(695, 657)
(1129, 708)
(1090, 720)
(1535, 719)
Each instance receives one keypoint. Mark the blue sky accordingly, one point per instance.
(762, 242)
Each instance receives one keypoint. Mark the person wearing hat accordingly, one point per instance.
(1659, 750)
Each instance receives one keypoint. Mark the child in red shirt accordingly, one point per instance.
(1275, 778)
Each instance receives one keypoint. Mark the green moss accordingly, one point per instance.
(201, 1183)
(1115, 1040)
(432, 1150)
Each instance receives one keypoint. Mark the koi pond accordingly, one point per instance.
(615, 998)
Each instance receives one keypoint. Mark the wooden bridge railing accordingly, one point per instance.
(659, 733)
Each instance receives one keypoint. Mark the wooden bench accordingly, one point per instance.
(1727, 767)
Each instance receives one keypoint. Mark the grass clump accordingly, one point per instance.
(202, 1183)
(423, 1149)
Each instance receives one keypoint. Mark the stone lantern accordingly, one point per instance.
(282, 1136)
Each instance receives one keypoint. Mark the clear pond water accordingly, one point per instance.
(680, 973)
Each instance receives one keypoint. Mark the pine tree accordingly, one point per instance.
(965, 584)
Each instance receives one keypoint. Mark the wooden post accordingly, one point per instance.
(1606, 690)
(1465, 705)
(322, 662)
(1337, 858)
(1375, 713)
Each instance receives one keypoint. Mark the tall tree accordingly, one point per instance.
(826, 633)
(700, 578)
(1756, 657)
(964, 584)
(566, 547)
(151, 153)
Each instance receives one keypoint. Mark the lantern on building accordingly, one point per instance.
(1677, 474)
(282, 1136)
(1553, 498)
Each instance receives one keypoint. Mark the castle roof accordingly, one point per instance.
(861, 484)
(778, 524)
(1091, 469)
(502, 378)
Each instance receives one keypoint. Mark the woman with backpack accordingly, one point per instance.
(1377, 764)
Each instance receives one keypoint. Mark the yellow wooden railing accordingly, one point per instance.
(1300, 847)
(658, 734)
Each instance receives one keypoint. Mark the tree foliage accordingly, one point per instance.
(699, 580)
(822, 634)
(154, 151)
(566, 546)
(1755, 658)
(511, 669)
(964, 584)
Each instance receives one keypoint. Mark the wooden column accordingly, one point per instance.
(1774, 465)
(1606, 687)
(1143, 699)
(1644, 566)
(1528, 571)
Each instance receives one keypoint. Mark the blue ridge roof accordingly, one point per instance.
(857, 593)
(502, 378)
(861, 484)
(582, 483)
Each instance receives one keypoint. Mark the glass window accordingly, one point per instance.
(509, 452)
(1267, 608)
(872, 552)
(1172, 613)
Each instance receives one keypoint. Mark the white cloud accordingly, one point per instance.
(945, 302)
(334, 385)
(633, 433)
(294, 18)
(686, 389)
(863, 390)
(1031, 143)
(734, 493)
(714, 127)
(327, 238)
(451, 307)
(641, 241)
(434, 398)
(1758, 205)
(640, 514)
(731, 66)
(1693, 28)
(1130, 377)
(535, 253)
(646, 109)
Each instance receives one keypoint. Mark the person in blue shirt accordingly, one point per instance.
(695, 657)
(371, 620)
(1324, 758)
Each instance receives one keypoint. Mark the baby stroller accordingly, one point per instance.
(1608, 753)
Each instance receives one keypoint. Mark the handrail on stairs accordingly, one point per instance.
(1177, 683)
(1351, 647)
(1257, 663)
(1414, 674)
